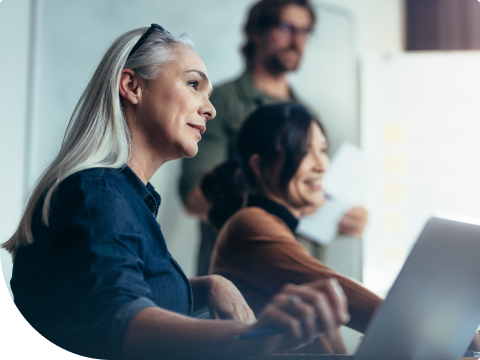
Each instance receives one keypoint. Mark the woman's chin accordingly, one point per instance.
(191, 151)
(317, 200)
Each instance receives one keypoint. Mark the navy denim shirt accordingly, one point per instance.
(100, 261)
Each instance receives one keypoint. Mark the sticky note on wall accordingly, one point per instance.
(393, 193)
(393, 134)
(394, 165)
(394, 223)
(393, 255)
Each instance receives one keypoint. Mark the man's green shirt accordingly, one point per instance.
(233, 101)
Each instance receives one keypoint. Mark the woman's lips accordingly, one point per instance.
(315, 185)
(200, 129)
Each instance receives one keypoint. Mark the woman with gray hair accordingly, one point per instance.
(92, 272)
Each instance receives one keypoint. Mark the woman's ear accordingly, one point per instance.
(129, 87)
(255, 163)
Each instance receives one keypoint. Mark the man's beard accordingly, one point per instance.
(276, 66)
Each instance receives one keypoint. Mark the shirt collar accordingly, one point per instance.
(274, 208)
(250, 92)
(146, 192)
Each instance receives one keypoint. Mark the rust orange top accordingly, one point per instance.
(259, 253)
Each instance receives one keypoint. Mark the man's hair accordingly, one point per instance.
(265, 15)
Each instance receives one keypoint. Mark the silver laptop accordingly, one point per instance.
(433, 309)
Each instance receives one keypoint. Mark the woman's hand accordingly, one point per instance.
(304, 312)
(354, 221)
(226, 302)
(301, 312)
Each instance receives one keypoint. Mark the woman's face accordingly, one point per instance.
(175, 107)
(305, 188)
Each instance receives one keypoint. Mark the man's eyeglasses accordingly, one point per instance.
(287, 28)
(145, 37)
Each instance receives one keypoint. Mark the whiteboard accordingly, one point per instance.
(420, 116)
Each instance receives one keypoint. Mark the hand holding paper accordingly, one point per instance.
(354, 221)
(346, 183)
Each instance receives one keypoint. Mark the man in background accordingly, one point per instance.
(276, 36)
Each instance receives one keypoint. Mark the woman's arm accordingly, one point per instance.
(275, 258)
(301, 311)
(155, 333)
(221, 297)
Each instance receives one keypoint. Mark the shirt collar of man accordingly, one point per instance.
(251, 93)
(146, 192)
(274, 208)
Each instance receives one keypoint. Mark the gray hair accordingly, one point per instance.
(97, 134)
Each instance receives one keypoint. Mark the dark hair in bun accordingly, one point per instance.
(279, 132)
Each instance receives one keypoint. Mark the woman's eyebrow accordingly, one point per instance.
(202, 75)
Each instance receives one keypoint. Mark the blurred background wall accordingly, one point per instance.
(415, 113)
(51, 47)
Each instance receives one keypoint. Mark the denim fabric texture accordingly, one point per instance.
(101, 260)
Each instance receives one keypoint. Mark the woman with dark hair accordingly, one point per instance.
(281, 157)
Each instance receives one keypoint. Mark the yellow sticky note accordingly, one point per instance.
(394, 223)
(393, 134)
(393, 193)
(394, 165)
(393, 255)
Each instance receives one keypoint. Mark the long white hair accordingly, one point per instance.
(97, 134)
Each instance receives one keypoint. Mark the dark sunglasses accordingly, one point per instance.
(145, 37)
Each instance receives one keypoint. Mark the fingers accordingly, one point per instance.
(305, 311)
(357, 213)
(337, 298)
(328, 305)
(354, 221)
(282, 319)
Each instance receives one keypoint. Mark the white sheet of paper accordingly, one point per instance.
(346, 182)
(322, 227)
(349, 175)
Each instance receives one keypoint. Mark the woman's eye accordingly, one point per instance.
(193, 84)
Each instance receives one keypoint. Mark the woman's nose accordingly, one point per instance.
(321, 164)
(208, 110)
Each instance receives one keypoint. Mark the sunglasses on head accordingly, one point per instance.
(145, 37)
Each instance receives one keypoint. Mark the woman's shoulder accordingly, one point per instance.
(255, 222)
(97, 175)
(96, 181)
(98, 187)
